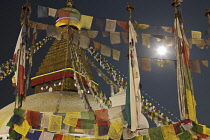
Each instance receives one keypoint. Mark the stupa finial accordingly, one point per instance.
(69, 3)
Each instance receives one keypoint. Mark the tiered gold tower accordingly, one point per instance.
(56, 70)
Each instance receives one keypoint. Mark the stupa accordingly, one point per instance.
(55, 82)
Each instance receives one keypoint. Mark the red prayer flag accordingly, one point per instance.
(58, 137)
(32, 118)
(102, 117)
(123, 25)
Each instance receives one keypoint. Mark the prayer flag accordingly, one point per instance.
(187, 104)
(155, 133)
(105, 33)
(169, 132)
(52, 12)
(196, 34)
(102, 117)
(116, 54)
(195, 66)
(115, 37)
(55, 122)
(42, 11)
(146, 64)
(205, 63)
(86, 21)
(92, 34)
(123, 25)
(133, 95)
(105, 50)
(125, 36)
(46, 136)
(19, 58)
(23, 128)
(71, 118)
(146, 40)
(99, 24)
(84, 42)
(167, 29)
(33, 118)
(110, 25)
(161, 62)
(97, 45)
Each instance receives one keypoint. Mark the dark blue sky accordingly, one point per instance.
(160, 83)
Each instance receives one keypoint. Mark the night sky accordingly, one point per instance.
(159, 83)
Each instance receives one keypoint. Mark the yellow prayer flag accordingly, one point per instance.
(24, 138)
(86, 21)
(55, 122)
(71, 118)
(169, 132)
(68, 137)
(139, 138)
(143, 26)
(81, 138)
(115, 130)
(196, 34)
(191, 104)
(206, 130)
(23, 128)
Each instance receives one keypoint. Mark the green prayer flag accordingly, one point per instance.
(19, 112)
(89, 115)
(155, 133)
(185, 136)
(87, 124)
(13, 135)
(127, 104)
(197, 128)
(71, 129)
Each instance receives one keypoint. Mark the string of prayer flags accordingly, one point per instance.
(195, 66)
(196, 34)
(55, 122)
(146, 64)
(52, 12)
(86, 21)
(123, 25)
(105, 50)
(116, 54)
(42, 11)
(146, 40)
(115, 37)
(110, 25)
